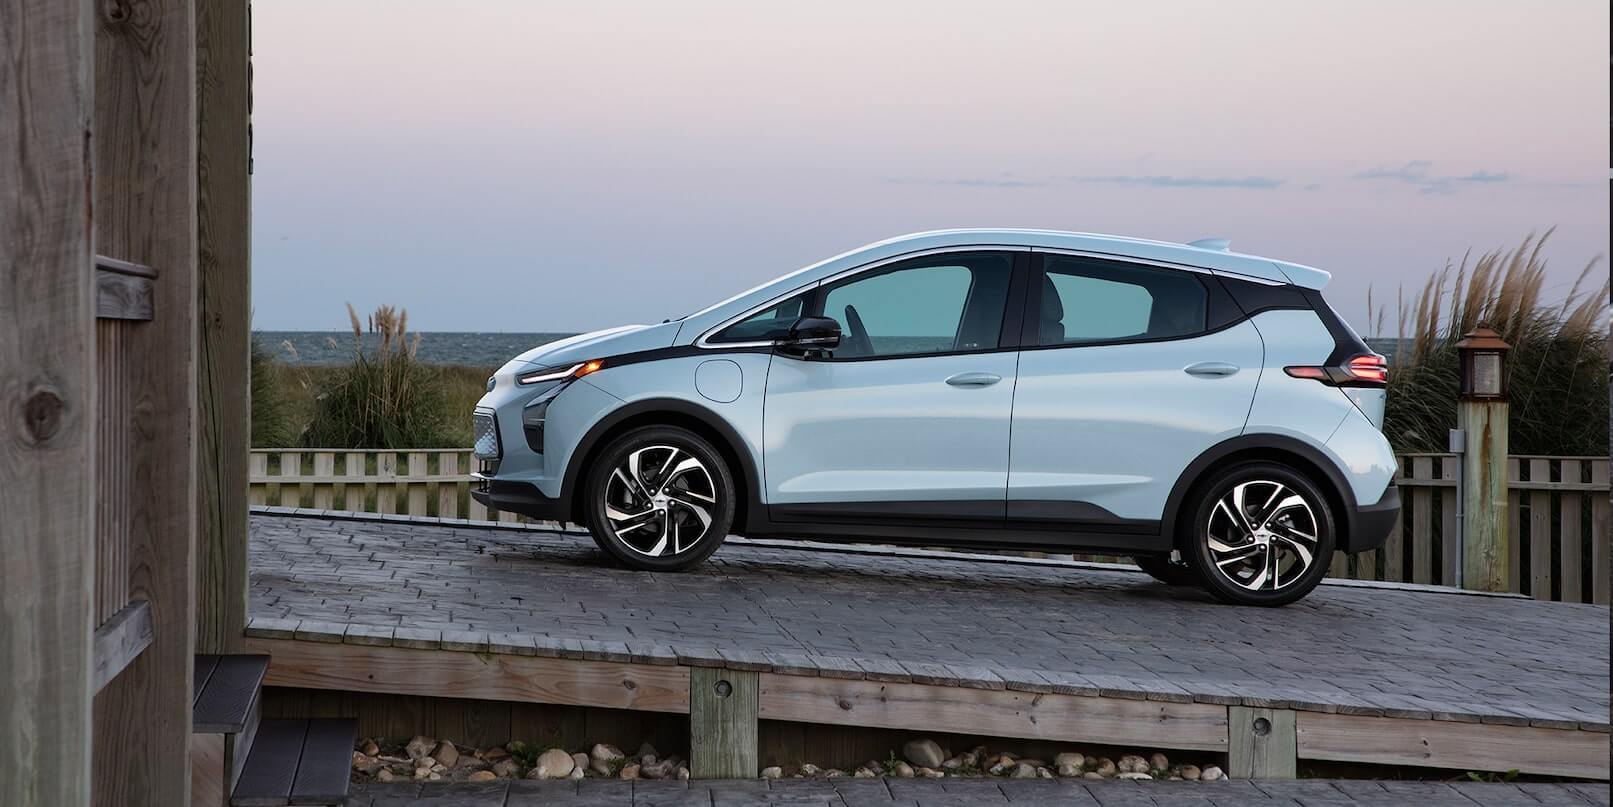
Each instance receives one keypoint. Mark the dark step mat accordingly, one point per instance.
(297, 762)
(224, 700)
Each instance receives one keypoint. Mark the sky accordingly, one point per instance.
(513, 165)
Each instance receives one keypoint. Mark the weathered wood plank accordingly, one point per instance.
(353, 493)
(1599, 532)
(48, 456)
(362, 668)
(417, 492)
(1540, 533)
(207, 771)
(722, 724)
(1004, 713)
(1422, 523)
(448, 492)
(1568, 511)
(1450, 535)
(291, 474)
(145, 206)
(120, 640)
(119, 296)
(1261, 743)
(1457, 746)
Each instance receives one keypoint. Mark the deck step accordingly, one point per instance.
(298, 762)
(226, 690)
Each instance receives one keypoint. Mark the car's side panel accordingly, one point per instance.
(1113, 426)
(1301, 408)
(1365, 455)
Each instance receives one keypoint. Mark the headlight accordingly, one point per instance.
(574, 371)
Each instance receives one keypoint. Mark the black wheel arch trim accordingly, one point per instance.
(749, 477)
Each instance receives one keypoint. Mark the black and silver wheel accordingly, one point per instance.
(1167, 570)
(659, 498)
(1262, 534)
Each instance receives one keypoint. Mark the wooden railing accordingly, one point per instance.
(1558, 510)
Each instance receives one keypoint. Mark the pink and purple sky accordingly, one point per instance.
(537, 166)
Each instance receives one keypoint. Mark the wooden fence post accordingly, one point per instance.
(722, 724)
(1261, 743)
(1482, 416)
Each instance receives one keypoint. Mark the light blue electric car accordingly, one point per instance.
(1204, 411)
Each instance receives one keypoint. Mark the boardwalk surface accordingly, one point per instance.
(958, 793)
(1344, 648)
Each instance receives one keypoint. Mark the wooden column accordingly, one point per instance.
(722, 724)
(145, 203)
(224, 315)
(1484, 495)
(47, 402)
(1261, 743)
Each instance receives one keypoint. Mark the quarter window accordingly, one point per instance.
(945, 304)
(772, 323)
(1089, 300)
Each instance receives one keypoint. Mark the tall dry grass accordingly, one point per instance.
(1557, 372)
(384, 398)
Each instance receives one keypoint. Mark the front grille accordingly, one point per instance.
(485, 428)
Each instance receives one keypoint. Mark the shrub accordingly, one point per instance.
(271, 410)
(1557, 377)
(385, 399)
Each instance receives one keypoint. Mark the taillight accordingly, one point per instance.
(1365, 370)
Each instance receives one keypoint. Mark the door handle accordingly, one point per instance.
(974, 379)
(1211, 369)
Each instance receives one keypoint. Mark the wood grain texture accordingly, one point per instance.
(224, 314)
(1486, 538)
(362, 668)
(1458, 746)
(145, 204)
(47, 398)
(1261, 743)
(207, 771)
(120, 296)
(119, 641)
(1004, 713)
(722, 724)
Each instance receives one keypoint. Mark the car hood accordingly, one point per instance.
(595, 345)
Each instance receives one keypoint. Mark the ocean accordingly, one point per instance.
(468, 348)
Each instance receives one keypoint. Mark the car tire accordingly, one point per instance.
(1167, 571)
(1277, 552)
(652, 488)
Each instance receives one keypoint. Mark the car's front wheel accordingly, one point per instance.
(659, 498)
(1261, 534)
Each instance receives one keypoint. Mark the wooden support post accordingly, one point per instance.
(1261, 743)
(223, 317)
(722, 724)
(47, 401)
(1485, 556)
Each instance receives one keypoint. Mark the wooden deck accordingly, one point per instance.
(926, 642)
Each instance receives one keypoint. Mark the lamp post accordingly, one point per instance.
(1482, 417)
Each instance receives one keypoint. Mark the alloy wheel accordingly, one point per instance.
(1262, 535)
(660, 500)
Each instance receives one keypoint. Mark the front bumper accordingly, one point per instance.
(523, 498)
(1370, 526)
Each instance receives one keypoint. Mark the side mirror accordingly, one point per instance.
(812, 333)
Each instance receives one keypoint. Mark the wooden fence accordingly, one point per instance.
(1558, 510)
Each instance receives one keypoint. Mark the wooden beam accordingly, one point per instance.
(1456, 746)
(1003, 713)
(722, 724)
(145, 204)
(120, 640)
(224, 321)
(1261, 743)
(47, 398)
(485, 676)
(120, 296)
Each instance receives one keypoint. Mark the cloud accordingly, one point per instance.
(1419, 173)
(1166, 181)
(1413, 172)
(1002, 182)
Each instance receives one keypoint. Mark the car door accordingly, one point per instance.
(909, 417)
(1128, 373)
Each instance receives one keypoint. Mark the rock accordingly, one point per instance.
(421, 773)
(580, 760)
(426, 762)
(645, 750)
(971, 759)
(1023, 771)
(683, 773)
(576, 772)
(1005, 758)
(873, 765)
(434, 777)
(481, 776)
(385, 775)
(1043, 773)
(952, 763)
(1131, 763)
(1134, 775)
(506, 768)
(419, 747)
(1159, 762)
(1031, 761)
(439, 768)
(1189, 772)
(809, 769)
(772, 772)
(862, 773)
(554, 763)
(371, 748)
(493, 754)
(659, 769)
(1211, 773)
(1069, 770)
(903, 770)
(931, 773)
(833, 773)
(446, 754)
(362, 761)
(628, 771)
(1106, 767)
(923, 752)
(1070, 758)
(1091, 775)
(1000, 767)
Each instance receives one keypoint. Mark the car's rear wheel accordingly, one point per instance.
(1261, 534)
(659, 498)
(1167, 571)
